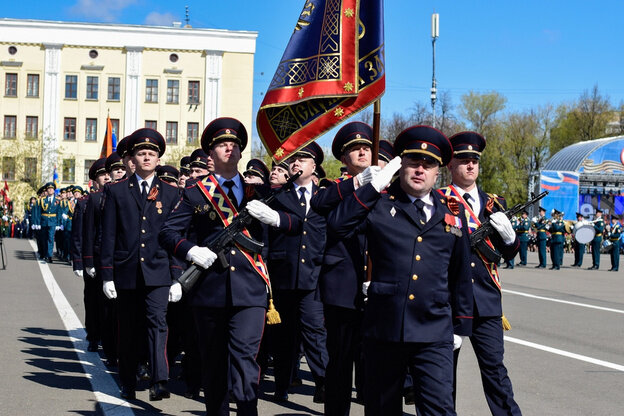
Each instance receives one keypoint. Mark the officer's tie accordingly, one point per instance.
(420, 212)
(143, 192)
(230, 193)
(302, 199)
(467, 198)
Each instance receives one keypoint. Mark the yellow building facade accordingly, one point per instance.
(62, 80)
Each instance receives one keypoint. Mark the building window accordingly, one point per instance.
(92, 88)
(173, 91)
(151, 91)
(91, 130)
(71, 86)
(115, 124)
(150, 124)
(32, 127)
(69, 170)
(114, 87)
(87, 166)
(69, 128)
(30, 169)
(8, 168)
(10, 87)
(10, 127)
(192, 133)
(172, 132)
(32, 85)
(193, 92)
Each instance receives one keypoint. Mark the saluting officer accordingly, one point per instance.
(540, 228)
(524, 225)
(420, 293)
(487, 325)
(596, 243)
(557, 228)
(135, 268)
(614, 238)
(296, 247)
(229, 303)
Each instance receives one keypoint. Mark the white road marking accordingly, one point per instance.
(566, 353)
(567, 302)
(104, 386)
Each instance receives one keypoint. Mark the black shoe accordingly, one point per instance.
(143, 373)
(319, 394)
(408, 396)
(159, 391)
(280, 396)
(128, 393)
(552, 267)
(538, 266)
(48, 259)
(557, 268)
(192, 393)
(296, 382)
(93, 346)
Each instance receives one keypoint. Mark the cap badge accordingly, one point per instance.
(423, 146)
(358, 136)
(469, 147)
(227, 131)
(146, 139)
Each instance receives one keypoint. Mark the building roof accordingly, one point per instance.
(572, 158)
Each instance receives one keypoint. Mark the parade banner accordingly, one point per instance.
(332, 68)
(563, 192)
(110, 140)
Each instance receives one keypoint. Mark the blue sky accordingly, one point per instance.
(533, 52)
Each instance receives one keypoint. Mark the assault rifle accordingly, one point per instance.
(230, 235)
(477, 238)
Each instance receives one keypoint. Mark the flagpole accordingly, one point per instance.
(376, 125)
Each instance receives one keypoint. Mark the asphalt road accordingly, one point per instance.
(565, 352)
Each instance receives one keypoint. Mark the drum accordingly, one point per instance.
(584, 232)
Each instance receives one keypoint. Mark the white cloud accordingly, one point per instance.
(160, 19)
(106, 11)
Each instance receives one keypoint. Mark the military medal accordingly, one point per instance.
(392, 211)
(453, 224)
(159, 206)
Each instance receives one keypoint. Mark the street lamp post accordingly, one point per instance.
(435, 33)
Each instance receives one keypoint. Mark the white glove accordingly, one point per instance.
(501, 223)
(58, 227)
(61, 227)
(175, 292)
(64, 216)
(91, 271)
(263, 213)
(109, 289)
(202, 256)
(366, 175)
(457, 342)
(34, 226)
(365, 286)
(382, 179)
(78, 273)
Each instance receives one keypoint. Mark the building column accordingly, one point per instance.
(212, 91)
(132, 111)
(51, 113)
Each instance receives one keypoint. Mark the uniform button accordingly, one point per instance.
(417, 257)
(233, 268)
(142, 244)
(415, 277)
(472, 264)
(144, 218)
(411, 297)
(142, 259)
(233, 252)
(365, 267)
(472, 280)
(303, 246)
(305, 232)
(302, 260)
(143, 231)
(305, 220)
(419, 239)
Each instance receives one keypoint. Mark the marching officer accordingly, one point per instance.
(47, 220)
(135, 268)
(256, 172)
(115, 167)
(557, 228)
(279, 173)
(126, 157)
(201, 164)
(540, 228)
(169, 174)
(515, 223)
(185, 171)
(488, 323)
(596, 243)
(296, 247)
(524, 225)
(420, 294)
(579, 248)
(229, 303)
(614, 238)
